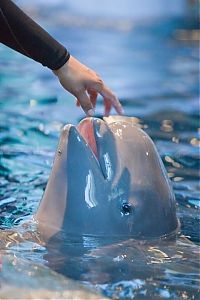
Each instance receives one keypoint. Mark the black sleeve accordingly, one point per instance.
(19, 32)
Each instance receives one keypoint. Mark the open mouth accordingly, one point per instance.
(101, 140)
(87, 131)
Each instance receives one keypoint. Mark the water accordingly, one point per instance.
(155, 73)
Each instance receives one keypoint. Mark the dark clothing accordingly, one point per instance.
(21, 33)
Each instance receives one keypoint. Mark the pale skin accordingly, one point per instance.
(85, 85)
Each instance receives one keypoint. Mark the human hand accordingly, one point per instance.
(85, 85)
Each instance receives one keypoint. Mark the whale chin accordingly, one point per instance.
(107, 179)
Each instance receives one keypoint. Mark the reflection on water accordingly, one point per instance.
(156, 77)
(159, 269)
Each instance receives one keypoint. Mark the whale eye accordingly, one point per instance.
(126, 209)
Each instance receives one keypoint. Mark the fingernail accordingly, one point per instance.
(91, 112)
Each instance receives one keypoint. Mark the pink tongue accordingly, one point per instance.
(85, 128)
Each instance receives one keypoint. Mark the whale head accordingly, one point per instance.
(107, 179)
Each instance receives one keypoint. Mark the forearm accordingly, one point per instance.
(19, 32)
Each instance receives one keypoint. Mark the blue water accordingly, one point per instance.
(155, 75)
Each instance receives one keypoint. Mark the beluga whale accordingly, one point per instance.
(107, 179)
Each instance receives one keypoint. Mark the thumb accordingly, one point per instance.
(85, 103)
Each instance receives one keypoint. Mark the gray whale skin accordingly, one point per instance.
(107, 179)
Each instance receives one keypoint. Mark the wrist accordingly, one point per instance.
(62, 69)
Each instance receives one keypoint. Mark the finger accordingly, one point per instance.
(93, 97)
(108, 94)
(107, 106)
(85, 103)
